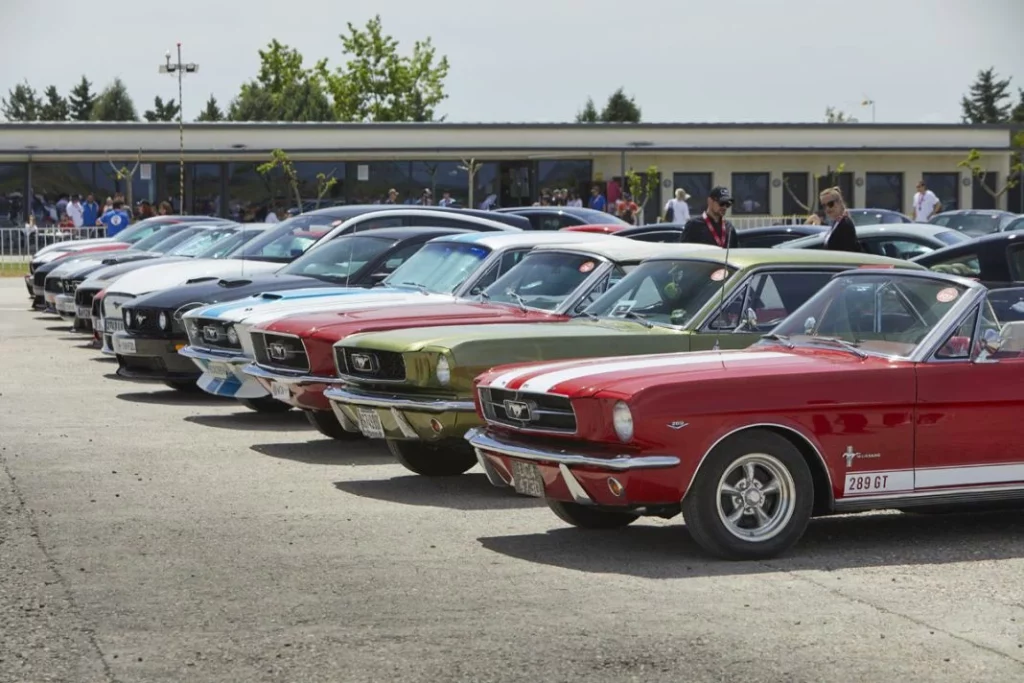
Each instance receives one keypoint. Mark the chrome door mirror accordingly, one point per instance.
(809, 324)
(991, 341)
(749, 322)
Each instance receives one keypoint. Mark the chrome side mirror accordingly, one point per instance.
(749, 322)
(809, 324)
(991, 341)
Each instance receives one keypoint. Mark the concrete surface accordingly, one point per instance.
(151, 536)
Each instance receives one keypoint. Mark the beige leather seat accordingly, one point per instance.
(1013, 337)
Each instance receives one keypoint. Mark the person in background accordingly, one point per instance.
(62, 205)
(676, 209)
(116, 219)
(427, 198)
(75, 211)
(90, 211)
(842, 235)
(164, 209)
(597, 202)
(573, 200)
(271, 216)
(145, 210)
(446, 199)
(392, 196)
(926, 203)
(711, 227)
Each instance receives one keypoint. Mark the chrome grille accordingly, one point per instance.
(53, 284)
(522, 410)
(280, 351)
(85, 297)
(213, 334)
(70, 286)
(386, 366)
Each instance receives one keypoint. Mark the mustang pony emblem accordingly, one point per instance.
(850, 455)
(363, 362)
(277, 351)
(517, 410)
(211, 333)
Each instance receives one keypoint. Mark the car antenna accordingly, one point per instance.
(721, 302)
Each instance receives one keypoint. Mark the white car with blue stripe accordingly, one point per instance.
(445, 270)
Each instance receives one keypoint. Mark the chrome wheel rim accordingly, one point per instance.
(756, 497)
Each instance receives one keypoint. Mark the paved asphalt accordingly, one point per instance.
(151, 536)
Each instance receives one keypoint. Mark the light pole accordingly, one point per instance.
(181, 70)
(867, 101)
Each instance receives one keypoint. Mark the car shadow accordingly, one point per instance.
(854, 541)
(104, 359)
(469, 491)
(59, 328)
(327, 452)
(170, 397)
(251, 421)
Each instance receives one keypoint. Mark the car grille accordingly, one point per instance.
(385, 366)
(536, 412)
(39, 278)
(213, 334)
(53, 284)
(96, 306)
(84, 297)
(145, 321)
(280, 351)
(70, 286)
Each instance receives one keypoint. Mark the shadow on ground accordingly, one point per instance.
(251, 421)
(469, 491)
(163, 396)
(327, 452)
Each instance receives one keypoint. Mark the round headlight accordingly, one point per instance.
(622, 420)
(163, 321)
(444, 371)
(127, 313)
(232, 335)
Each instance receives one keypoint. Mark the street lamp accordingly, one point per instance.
(867, 101)
(181, 70)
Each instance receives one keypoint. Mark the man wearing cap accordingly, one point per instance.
(711, 227)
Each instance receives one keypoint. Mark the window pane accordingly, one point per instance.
(1015, 195)
(698, 185)
(795, 200)
(572, 175)
(884, 191)
(750, 193)
(12, 189)
(440, 177)
(946, 187)
(203, 189)
(982, 198)
(375, 179)
(844, 181)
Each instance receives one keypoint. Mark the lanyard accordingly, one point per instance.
(719, 239)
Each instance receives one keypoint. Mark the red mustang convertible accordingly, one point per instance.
(887, 389)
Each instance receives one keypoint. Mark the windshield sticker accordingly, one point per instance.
(946, 295)
(622, 308)
(587, 267)
(719, 275)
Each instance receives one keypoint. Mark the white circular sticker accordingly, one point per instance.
(946, 295)
(115, 220)
(719, 274)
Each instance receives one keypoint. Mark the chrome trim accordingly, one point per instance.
(933, 341)
(257, 370)
(525, 426)
(346, 423)
(576, 490)
(349, 395)
(479, 439)
(214, 356)
(264, 333)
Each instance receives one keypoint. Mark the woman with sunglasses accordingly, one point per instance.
(842, 236)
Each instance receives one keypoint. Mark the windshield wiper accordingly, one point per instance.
(781, 338)
(517, 298)
(849, 346)
(642, 319)
(422, 288)
(588, 316)
(483, 296)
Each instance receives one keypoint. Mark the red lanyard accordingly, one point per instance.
(719, 239)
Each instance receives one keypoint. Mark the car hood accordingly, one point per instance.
(219, 289)
(152, 277)
(108, 274)
(270, 306)
(62, 245)
(79, 265)
(335, 325)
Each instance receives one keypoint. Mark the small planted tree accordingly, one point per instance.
(123, 173)
(280, 159)
(470, 166)
(811, 204)
(978, 172)
(642, 187)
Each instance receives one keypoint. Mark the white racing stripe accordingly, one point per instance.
(544, 383)
(502, 380)
(938, 477)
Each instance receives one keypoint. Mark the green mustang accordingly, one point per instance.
(414, 386)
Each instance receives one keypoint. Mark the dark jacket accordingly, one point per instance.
(843, 237)
(696, 231)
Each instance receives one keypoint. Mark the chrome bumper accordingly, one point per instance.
(620, 463)
(297, 379)
(215, 356)
(349, 395)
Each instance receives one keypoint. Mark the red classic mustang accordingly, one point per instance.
(887, 389)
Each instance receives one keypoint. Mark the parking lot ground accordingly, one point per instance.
(147, 535)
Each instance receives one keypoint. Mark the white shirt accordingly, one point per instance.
(271, 218)
(680, 210)
(75, 213)
(924, 205)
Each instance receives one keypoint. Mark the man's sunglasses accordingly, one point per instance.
(726, 204)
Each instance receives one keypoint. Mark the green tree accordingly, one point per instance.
(988, 101)
(379, 84)
(162, 111)
(283, 90)
(81, 100)
(588, 114)
(1018, 112)
(973, 164)
(280, 159)
(833, 115)
(22, 103)
(114, 104)
(55, 108)
(212, 111)
(620, 108)
(642, 187)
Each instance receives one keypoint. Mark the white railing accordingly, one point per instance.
(18, 244)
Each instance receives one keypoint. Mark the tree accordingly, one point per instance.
(588, 114)
(988, 99)
(21, 103)
(471, 167)
(378, 84)
(973, 164)
(114, 104)
(279, 159)
(81, 100)
(283, 90)
(620, 109)
(833, 115)
(643, 187)
(212, 111)
(833, 180)
(55, 108)
(1018, 112)
(162, 111)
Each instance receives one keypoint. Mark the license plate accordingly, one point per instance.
(124, 345)
(369, 424)
(113, 325)
(68, 307)
(218, 370)
(83, 312)
(280, 392)
(527, 479)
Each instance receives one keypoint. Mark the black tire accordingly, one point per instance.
(588, 517)
(184, 386)
(266, 404)
(327, 424)
(433, 460)
(788, 511)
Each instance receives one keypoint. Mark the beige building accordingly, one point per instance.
(773, 169)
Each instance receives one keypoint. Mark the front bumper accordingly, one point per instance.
(579, 477)
(65, 305)
(408, 418)
(222, 373)
(299, 390)
(150, 359)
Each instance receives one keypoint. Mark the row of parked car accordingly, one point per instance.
(605, 368)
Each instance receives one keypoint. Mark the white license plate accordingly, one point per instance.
(280, 391)
(112, 325)
(369, 424)
(527, 479)
(68, 306)
(83, 312)
(219, 370)
(124, 345)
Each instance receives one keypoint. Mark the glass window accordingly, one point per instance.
(374, 179)
(170, 242)
(155, 238)
(572, 175)
(965, 265)
(12, 190)
(958, 344)
(844, 181)
(1016, 257)
(1015, 195)
(892, 247)
(972, 224)
(668, 292)
(750, 193)
(439, 267)
(439, 177)
(202, 241)
(288, 239)
(371, 223)
(983, 192)
(772, 297)
(946, 187)
(884, 191)
(543, 280)
(698, 185)
(228, 245)
(203, 189)
(795, 194)
(340, 259)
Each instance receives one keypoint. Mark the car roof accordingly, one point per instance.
(800, 228)
(978, 212)
(620, 249)
(527, 238)
(897, 229)
(406, 231)
(745, 258)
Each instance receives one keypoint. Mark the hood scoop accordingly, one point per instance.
(238, 282)
(270, 296)
(195, 280)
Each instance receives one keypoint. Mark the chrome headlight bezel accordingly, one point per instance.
(622, 421)
(163, 321)
(232, 335)
(126, 315)
(443, 371)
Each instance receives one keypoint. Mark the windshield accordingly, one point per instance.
(202, 241)
(971, 223)
(289, 239)
(227, 246)
(439, 267)
(887, 314)
(176, 233)
(141, 230)
(339, 259)
(542, 280)
(952, 237)
(669, 292)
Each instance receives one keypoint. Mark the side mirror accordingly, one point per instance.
(991, 341)
(809, 324)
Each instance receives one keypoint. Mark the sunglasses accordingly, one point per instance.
(830, 205)
(726, 204)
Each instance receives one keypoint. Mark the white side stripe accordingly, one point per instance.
(968, 476)
(948, 479)
(544, 383)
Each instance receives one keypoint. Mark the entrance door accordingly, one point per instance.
(516, 183)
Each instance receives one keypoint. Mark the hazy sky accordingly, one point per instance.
(538, 60)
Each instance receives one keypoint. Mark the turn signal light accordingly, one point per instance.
(616, 487)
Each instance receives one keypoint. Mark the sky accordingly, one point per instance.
(539, 60)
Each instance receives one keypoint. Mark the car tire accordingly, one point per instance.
(590, 517)
(430, 460)
(266, 404)
(327, 424)
(184, 386)
(729, 515)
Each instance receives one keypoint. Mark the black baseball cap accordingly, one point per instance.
(721, 194)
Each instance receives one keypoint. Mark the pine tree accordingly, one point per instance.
(21, 103)
(620, 109)
(162, 111)
(114, 104)
(988, 99)
(1018, 112)
(81, 100)
(588, 114)
(55, 108)
(212, 111)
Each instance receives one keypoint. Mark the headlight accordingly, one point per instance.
(127, 313)
(444, 371)
(622, 419)
(163, 321)
(232, 335)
